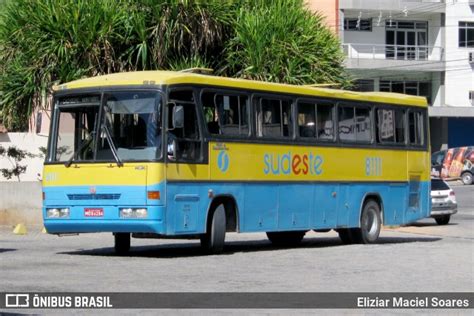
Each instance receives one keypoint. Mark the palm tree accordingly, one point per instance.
(43, 42)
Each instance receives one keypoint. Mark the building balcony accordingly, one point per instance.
(431, 6)
(400, 57)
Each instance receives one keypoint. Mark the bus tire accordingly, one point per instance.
(443, 220)
(345, 234)
(121, 243)
(213, 240)
(291, 238)
(370, 224)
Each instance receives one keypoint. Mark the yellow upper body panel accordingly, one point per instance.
(158, 78)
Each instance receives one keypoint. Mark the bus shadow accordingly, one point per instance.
(2, 250)
(192, 249)
(429, 224)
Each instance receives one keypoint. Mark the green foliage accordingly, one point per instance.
(15, 156)
(43, 42)
(281, 41)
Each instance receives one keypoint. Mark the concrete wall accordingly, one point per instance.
(25, 141)
(20, 202)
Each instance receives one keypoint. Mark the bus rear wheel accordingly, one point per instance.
(121, 243)
(213, 240)
(370, 224)
(290, 238)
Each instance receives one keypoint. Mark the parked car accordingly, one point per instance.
(454, 163)
(443, 201)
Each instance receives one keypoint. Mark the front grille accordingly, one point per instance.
(109, 196)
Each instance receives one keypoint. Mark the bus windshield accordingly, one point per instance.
(129, 128)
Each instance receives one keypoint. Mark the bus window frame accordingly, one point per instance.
(355, 105)
(256, 107)
(317, 102)
(424, 132)
(204, 153)
(227, 92)
(395, 144)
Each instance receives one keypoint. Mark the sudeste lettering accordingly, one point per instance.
(289, 163)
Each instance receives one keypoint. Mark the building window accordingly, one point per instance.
(419, 88)
(363, 85)
(466, 34)
(471, 97)
(351, 24)
(406, 40)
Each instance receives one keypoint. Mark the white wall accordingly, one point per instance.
(459, 73)
(25, 141)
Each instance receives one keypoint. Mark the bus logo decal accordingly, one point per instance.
(289, 163)
(223, 161)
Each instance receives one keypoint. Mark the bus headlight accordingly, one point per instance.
(57, 212)
(133, 213)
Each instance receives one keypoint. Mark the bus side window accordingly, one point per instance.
(400, 126)
(306, 119)
(274, 118)
(186, 139)
(325, 121)
(385, 126)
(346, 127)
(363, 125)
(210, 112)
(226, 114)
(415, 123)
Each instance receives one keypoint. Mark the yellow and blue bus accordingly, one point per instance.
(179, 154)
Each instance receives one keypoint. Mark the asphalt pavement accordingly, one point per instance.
(420, 257)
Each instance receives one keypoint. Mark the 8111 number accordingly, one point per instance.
(373, 166)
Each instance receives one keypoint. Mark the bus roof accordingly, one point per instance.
(140, 78)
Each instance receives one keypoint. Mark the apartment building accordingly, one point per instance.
(419, 47)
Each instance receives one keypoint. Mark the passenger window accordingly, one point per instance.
(307, 120)
(391, 126)
(346, 123)
(226, 114)
(274, 118)
(415, 122)
(325, 125)
(385, 126)
(315, 120)
(362, 125)
(354, 124)
(400, 126)
(184, 144)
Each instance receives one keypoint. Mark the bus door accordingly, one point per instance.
(187, 166)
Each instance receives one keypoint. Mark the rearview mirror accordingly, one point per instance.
(178, 116)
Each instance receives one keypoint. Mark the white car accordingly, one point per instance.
(443, 201)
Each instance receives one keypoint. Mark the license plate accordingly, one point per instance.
(93, 212)
(441, 200)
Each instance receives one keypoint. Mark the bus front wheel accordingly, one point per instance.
(122, 243)
(213, 240)
(370, 224)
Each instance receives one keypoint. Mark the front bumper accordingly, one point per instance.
(109, 222)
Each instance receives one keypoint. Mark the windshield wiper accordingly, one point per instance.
(81, 148)
(112, 146)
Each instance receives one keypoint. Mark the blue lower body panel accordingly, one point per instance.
(261, 207)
